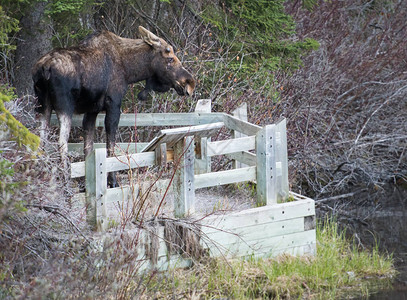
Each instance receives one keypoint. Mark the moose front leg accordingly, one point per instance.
(111, 123)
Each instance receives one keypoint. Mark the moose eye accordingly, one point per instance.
(168, 49)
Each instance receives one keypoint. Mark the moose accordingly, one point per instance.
(93, 77)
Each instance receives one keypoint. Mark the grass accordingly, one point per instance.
(339, 268)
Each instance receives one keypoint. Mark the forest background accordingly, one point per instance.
(336, 70)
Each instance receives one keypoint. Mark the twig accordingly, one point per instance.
(24, 245)
(56, 211)
(336, 197)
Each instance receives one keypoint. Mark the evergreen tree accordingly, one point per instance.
(7, 122)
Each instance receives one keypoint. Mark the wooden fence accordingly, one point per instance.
(260, 155)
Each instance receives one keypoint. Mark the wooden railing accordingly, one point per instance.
(260, 154)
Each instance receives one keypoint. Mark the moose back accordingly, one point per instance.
(94, 76)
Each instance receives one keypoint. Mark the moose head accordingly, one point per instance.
(167, 68)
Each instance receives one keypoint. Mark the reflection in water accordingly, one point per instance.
(398, 293)
(385, 223)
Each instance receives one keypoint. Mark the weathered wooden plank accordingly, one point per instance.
(165, 263)
(203, 106)
(96, 185)
(125, 162)
(173, 135)
(306, 249)
(244, 127)
(176, 261)
(260, 215)
(118, 202)
(119, 163)
(255, 232)
(78, 169)
(153, 119)
(225, 177)
(203, 163)
(240, 113)
(120, 148)
(161, 155)
(281, 161)
(126, 192)
(266, 177)
(136, 160)
(232, 146)
(244, 157)
(260, 232)
(184, 189)
(176, 119)
(298, 244)
(299, 197)
(270, 244)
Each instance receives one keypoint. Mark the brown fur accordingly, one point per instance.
(94, 76)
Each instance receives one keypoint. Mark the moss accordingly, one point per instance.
(20, 133)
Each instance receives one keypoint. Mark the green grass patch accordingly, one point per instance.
(339, 267)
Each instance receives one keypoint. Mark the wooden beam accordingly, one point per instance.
(281, 160)
(125, 162)
(118, 163)
(231, 146)
(261, 230)
(120, 148)
(258, 215)
(203, 163)
(240, 125)
(174, 135)
(225, 177)
(78, 169)
(184, 187)
(161, 155)
(269, 246)
(247, 158)
(266, 171)
(152, 119)
(122, 162)
(240, 113)
(96, 186)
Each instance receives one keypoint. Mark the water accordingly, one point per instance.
(383, 222)
(398, 293)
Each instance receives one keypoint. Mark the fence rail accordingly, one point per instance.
(260, 155)
(260, 152)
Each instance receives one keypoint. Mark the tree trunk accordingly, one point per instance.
(34, 40)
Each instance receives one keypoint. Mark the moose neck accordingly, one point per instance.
(136, 59)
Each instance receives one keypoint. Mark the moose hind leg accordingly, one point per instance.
(88, 125)
(111, 123)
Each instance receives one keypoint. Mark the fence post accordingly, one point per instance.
(240, 113)
(282, 189)
(203, 164)
(272, 165)
(265, 171)
(184, 190)
(96, 186)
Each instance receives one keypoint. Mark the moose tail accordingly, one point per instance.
(41, 87)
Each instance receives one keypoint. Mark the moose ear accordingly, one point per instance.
(149, 37)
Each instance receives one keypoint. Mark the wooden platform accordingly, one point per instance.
(264, 232)
(273, 227)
